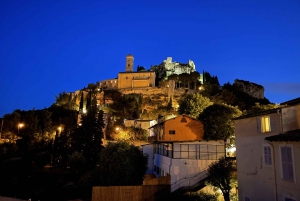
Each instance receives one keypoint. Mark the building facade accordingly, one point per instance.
(268, 154)
(139, 79)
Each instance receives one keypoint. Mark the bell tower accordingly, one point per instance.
(129, 63)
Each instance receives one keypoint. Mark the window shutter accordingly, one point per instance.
(267, 155)
(290, 168)
(283, 161)
(258, 119)
(287, 163)
(272, 121)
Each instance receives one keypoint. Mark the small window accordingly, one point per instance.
(267, 155)
(172, 132)
(265, 124)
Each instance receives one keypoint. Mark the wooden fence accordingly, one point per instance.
(151, 189)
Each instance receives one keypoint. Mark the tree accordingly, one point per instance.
(10, 124)
(87, 138)
(217, 120)
(127, 106)
(160, 73)
(61, 150)
(46, 124)
(121, 164)
(141, 68)
(63, 99)
(193, 104)
(31, 122)
(220, 174)
(194, 79)
(225, 96)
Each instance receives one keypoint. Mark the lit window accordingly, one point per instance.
(265, 124)
(287, 163)
(172, 132)
(267, 155)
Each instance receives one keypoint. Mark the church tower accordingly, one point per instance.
(129, 63)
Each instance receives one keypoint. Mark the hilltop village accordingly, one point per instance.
(140, 82)
(167, 81)
(166, 133)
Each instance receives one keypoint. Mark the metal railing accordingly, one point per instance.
(189, 181)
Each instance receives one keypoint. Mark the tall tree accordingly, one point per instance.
(193, 104)
(218, 123)
(87, 138)
(31, 124)
(61, 150)
(220, 174)
(46, 124)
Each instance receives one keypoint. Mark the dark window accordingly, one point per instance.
(172, 132)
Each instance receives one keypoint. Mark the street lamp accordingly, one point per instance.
(20, 125)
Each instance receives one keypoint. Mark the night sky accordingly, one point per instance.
(47, 47)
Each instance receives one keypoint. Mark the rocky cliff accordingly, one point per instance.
(254, 90)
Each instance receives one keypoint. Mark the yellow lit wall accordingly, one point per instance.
(136, 79)
(190, 130)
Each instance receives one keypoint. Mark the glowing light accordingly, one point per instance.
(20, 125)
(232, 149)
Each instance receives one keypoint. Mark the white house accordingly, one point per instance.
(178, 149)
(140, 123)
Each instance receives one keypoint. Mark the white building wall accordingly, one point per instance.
(149, 150)
(255, 179)
(289, 189)
(180, 168)
(291, 118)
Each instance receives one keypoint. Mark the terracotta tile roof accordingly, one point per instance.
(287, 136)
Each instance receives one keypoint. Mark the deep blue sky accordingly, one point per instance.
(47, 47)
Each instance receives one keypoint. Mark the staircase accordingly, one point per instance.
(191, 183)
